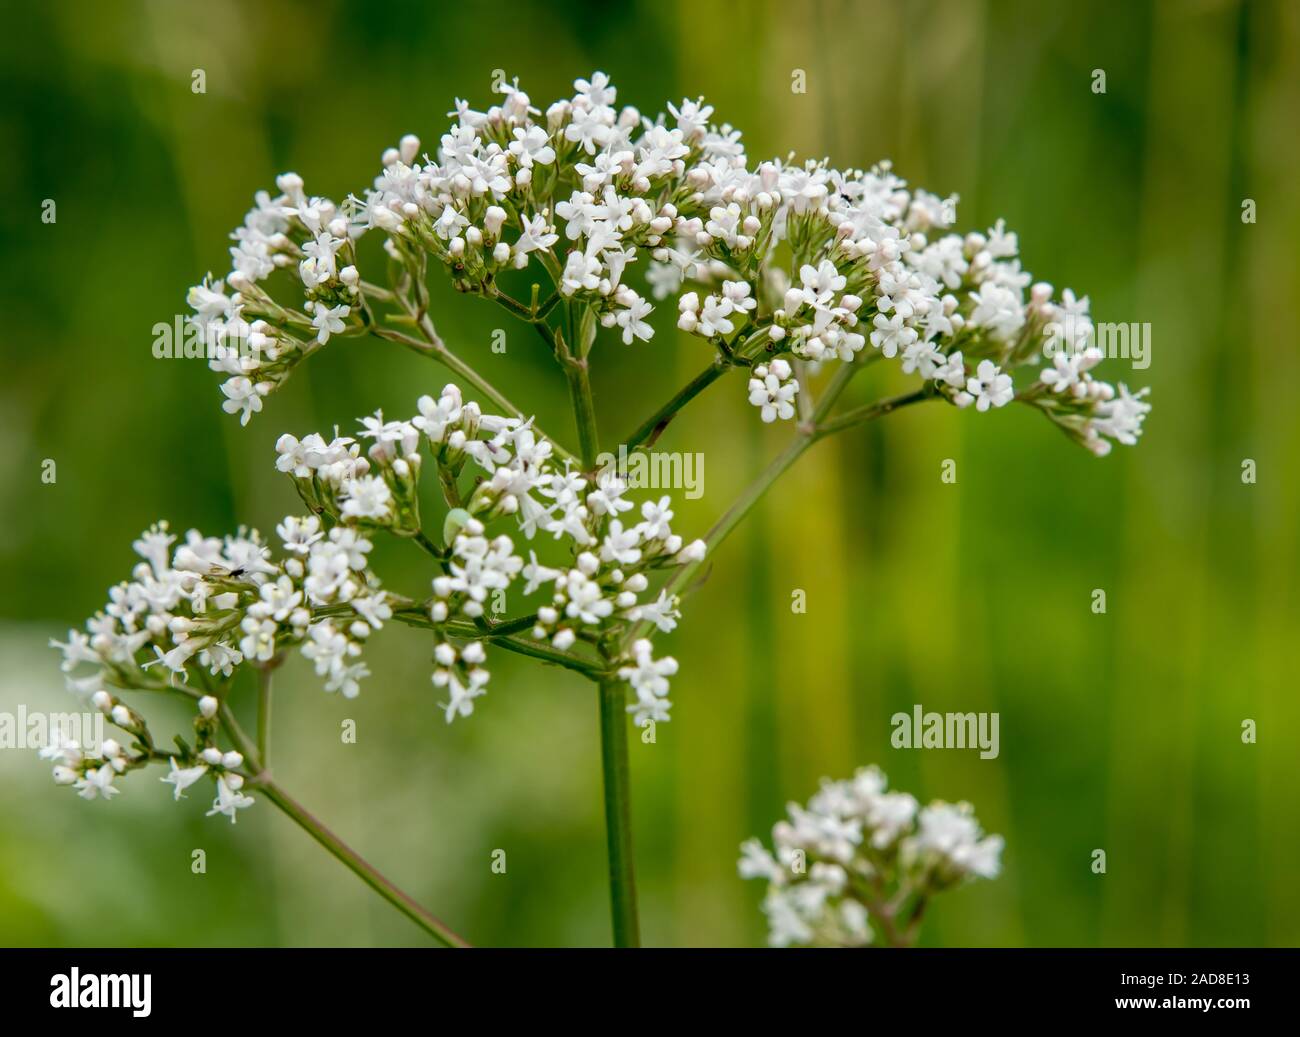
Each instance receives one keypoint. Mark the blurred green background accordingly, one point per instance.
(1119, 732)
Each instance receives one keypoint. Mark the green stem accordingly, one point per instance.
(360, 867)
(366, 871)
(264, 714)
(584, 411)
(618, 816)
(652, 428)
(805, 437)
(729, 520)
(419, 617)
(450, 491)
(838, 383)
(871, 411)
(433, 347)
(536, 650)
(428, 546)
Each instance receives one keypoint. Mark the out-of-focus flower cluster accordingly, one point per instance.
(859, 862)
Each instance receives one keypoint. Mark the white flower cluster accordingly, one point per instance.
(195, 613)
(93, 771)
(769, 261)
(203, 607)
(217, 603)
(610, 560)
(859, 856)
(772, 390)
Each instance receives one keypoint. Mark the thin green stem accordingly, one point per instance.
(870, 411)
(419, 617)
(450, 491)
(584, 412)
(652, 428)
(618, 812)
(429, 547)
(366, 871)
(838, 383)
(433, 347)
(555, 656)
(804, 400)
(513, 626)
(805, 437)
(264, 714)
(374, 291)
(368, 874)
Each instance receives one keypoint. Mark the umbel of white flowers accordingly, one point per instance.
(858, 856)
(769, 263)
(777, 269)
(192, 615)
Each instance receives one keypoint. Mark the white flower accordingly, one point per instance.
(631, 320)
(656, 516)
(648, 676)
(367, 498)
(97, 783)
(620, 545)
(990, 387)
(537, 236)
(581, 273)
(952, 372)
(757, 863)
(1121, 418)
(713, 320)
(999, 309)
(220, 658)
(243, 397)
(952, 833)
(821, 283)
(328, 320)
(597, 91)
(772, 389)
(436, 417)
(891, 334)
(229, 799)
(298, 534)
(663, 612)
(374, 609)
(532, 145)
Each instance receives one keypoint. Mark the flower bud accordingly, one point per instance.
(493, 219)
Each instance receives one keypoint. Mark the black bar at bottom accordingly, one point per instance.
(237, 990)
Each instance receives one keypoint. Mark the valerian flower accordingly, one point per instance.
(777, 269)
(771, 261)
